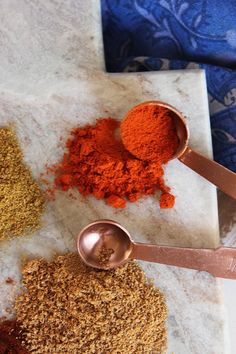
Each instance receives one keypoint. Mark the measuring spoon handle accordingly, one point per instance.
(215, 173)
(220, 262)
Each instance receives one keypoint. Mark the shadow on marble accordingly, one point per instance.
(227, 219)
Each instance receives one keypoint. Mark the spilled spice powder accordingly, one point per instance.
(97, 163)
(9, 281)
(167, 200)
(11, 338)
(70, 308)
(21, 201)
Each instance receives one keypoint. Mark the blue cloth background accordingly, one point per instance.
(141, 35)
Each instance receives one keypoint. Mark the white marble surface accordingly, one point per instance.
(52, 79)
(229, 289)
(227, 218)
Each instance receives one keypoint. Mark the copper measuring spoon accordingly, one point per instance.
(215, 173)
(108, 234)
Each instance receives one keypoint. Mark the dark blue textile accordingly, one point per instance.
(141, 35)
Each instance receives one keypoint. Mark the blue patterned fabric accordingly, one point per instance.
(141, 35)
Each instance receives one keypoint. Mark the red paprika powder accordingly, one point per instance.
(97, 163)
(11, 338)
(149, 133)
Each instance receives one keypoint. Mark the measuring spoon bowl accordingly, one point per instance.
(215, 173)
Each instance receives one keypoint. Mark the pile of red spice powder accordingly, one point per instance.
(11, 338)
(97, 163)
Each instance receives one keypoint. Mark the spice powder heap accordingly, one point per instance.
(97, 163)
(71, 308)
(11, 338)
(21, 201)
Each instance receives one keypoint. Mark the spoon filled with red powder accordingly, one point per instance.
(149, 133)
(156, 131)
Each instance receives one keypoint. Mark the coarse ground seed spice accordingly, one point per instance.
(21, 201)
(97, 163)
(71, 308)
(104, 256)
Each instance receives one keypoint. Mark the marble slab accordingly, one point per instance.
(52, 79)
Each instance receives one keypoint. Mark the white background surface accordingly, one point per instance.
(230, 302)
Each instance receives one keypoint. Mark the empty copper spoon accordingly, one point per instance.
(215, 173)
(109, 235)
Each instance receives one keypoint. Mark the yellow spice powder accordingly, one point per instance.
(70, 308)
(21, 201)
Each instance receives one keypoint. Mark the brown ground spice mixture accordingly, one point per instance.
(21, 201)
(70, 308)
(104, 256)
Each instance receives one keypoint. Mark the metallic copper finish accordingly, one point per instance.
(108, 234)
(215, 173)
(220, 262)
